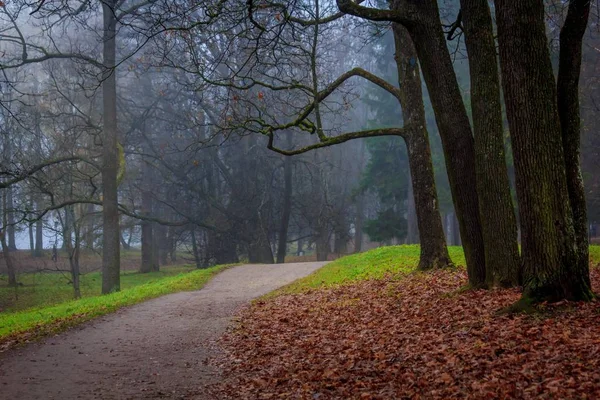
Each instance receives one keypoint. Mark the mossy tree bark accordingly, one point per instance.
(498, 222)
(434, 253)
(569, 67)
(110, 230)
(550, 261)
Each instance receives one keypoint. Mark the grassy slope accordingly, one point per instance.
(372, 264)
(136, 288)
(376, 264)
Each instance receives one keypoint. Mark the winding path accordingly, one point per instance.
(156, 349)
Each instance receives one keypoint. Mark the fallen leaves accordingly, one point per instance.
(420, 337)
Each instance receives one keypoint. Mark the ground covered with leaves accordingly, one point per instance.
(415, 336)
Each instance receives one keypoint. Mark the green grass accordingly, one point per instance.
(373, 264)
(49, 288)
(135, 288)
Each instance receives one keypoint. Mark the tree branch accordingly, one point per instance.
(26, 174)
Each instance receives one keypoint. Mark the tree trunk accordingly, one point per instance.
(10, 267)
(259, 251)
(455, 132)
(124, 243)
(111, 257)
(359, 223)
(31, 240)
(39, 237)
(73, 251)
(498, 222)
(550, 264)
(10, 229)
(360, 205)
(67, 229)
(322, 243)
(434, 253)
(160, 232)
(412, 233)
(569, 67)
(300, 247)
(88, 235)
(195, 249)
(172, 244)
(155, 251)
(286, 209)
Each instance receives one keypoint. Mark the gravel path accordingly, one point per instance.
(155, 349)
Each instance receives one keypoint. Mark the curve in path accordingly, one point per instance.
(156, 349)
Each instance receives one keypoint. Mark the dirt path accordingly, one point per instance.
(156, 349)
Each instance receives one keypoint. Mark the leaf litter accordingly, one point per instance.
(420, 337)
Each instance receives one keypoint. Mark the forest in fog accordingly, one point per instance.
(224, 131)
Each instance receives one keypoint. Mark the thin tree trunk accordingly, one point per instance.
(569, 68)
(360, 205)
(124, 243)
(111, 257)
(434, 253)
(12, 243)
(39, 237)
(73, 251)
(550, 261)
(300, 247)
(286, 209)
(359, 223)
(498, 222)
(455, 132)
(10, 267)
(31, 240)
(172, 242)
(163, 245)
(155, 247)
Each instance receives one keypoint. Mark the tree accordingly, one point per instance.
(422, 21)
(551, 264)
(498, 222)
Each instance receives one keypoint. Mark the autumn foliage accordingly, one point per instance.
(420, 336)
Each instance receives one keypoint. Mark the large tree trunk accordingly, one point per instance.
(569, 67)
(111, 256)
(550, 263)
(455, 131)
(434, 253)
(286, 209)
(498, 222)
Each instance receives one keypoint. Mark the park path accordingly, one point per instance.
(156, 349)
